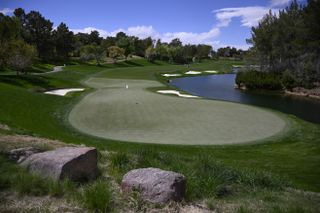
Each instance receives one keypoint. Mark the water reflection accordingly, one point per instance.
(221, 87)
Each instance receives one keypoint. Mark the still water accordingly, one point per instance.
(221, 87)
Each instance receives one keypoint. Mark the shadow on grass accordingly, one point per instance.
(25, 80)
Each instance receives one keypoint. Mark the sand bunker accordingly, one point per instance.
(211, 71)
(175, 92)
(171, 75)
(193, 73)
(63, 92)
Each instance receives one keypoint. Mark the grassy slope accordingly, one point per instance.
(295, 156)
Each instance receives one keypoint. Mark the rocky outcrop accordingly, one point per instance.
(155, 185)
(300, 91)
(75, 163)
(240, 86)
(21, 154)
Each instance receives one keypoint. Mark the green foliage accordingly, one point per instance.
(230, 52)
(18, 179)
(64, 40)
(259, 80)
(38, 32)
(93, 51)
(206, 176)
(127, 44)
(9, 33)
(288, 80)
(22, 55)
(97, 196)
(119, 160)
(29, 184)
(150, 54)
(288, 42)
(115, 52)
(6, 170)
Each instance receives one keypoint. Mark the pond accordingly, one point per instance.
(221, 87)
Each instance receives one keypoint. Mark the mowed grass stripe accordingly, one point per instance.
(138, 115)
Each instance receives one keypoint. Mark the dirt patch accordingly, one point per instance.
(4, 127)
(9, 142)
(11, 202)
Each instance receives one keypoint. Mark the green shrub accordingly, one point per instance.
(58, 189)
(6, 170)
(97, 196)
(206, 177)
(254, 80)
(288, 80)
(30, 184)
(119, 160)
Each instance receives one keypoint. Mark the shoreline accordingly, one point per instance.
(304, 93)
(297, 91)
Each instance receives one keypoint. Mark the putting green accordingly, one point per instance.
(138, 115)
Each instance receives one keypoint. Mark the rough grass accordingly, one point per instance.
(19, 180)
(97, 196)
(94, 196)
(206, 177)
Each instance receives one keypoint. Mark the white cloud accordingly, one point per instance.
(6, 11)
(279, 2)
(142, 31)
(192, 38)
(148, 31)
(250, 16)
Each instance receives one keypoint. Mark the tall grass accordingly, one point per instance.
(97, 196)
(206, 177)
(18, 179)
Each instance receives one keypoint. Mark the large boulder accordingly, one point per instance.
(155, 185)
(21, 154)
(75, 163)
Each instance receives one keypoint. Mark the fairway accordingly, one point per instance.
(139, 115)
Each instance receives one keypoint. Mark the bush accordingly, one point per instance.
(288, 80)
(119, 160)
(254, 80)
(97, 196)
(25, 183)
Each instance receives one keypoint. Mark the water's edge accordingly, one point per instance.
(221, 87)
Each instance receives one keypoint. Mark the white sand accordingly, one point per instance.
(176, 93)
(211, 71)
(193, 73)
(170, 75)
(63, 92)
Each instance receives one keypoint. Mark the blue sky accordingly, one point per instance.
(215, 22)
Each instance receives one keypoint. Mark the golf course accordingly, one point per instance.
(137, 114)
(215, 144)
(160, 106)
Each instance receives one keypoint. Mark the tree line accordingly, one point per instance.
(26, 36)
(288, 44)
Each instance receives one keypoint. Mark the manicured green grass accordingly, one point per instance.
(138, 115)
(294, 157)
